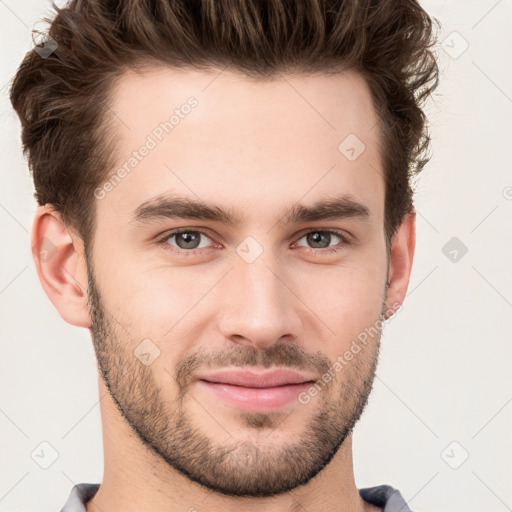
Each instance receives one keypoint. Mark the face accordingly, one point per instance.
(223, 329)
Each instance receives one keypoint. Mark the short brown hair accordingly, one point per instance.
(62, 100)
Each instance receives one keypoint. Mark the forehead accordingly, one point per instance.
(244, 143)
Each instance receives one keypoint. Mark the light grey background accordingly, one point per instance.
(443, 390)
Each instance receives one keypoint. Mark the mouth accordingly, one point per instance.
(256, 391)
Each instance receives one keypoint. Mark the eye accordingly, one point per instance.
(186, 240)
(321, 239)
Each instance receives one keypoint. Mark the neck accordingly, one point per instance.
(137, 480)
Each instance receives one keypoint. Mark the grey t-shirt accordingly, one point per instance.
(382, 495)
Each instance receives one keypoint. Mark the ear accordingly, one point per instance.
(60, 263)
(403, 243)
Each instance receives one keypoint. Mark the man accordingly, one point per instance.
(225, 203)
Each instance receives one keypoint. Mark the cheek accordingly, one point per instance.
(158, 302)
(346, 298)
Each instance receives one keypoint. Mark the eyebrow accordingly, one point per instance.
(177, 207)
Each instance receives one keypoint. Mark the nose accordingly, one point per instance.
(258, 305)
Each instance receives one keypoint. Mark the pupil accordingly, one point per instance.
(317, 235)
(188, 239)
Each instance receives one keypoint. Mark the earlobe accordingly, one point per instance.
(60, 265)
(402, 253)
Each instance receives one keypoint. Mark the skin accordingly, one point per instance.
(169, 444)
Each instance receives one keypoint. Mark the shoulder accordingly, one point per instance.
(385, 496)
(78, 496)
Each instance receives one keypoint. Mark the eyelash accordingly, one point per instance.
(191, 252)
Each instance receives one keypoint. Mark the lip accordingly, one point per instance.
(256, 391)
(254, 379)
